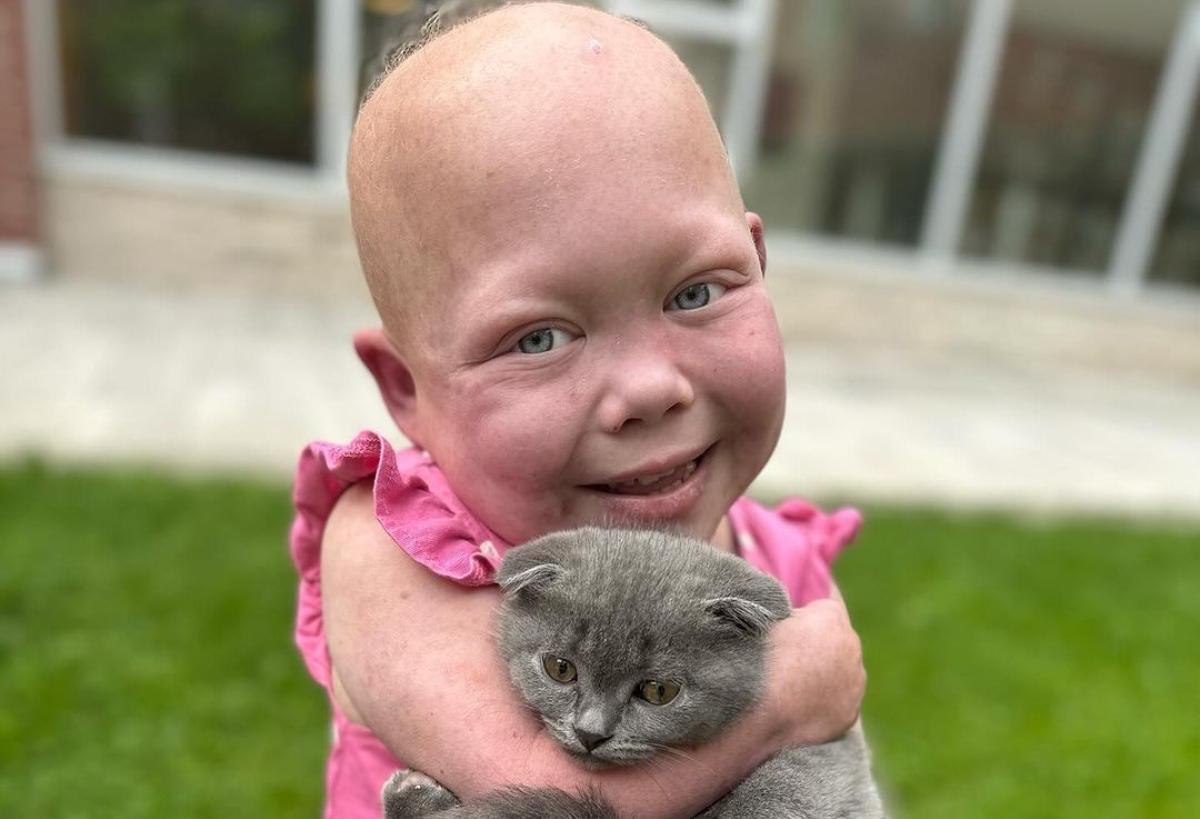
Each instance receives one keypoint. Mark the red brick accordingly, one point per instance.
(18, 185)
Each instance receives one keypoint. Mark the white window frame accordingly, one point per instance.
(745, 27)
(964, 134)
(1148, 196)
(1140, 229)
(337, 57)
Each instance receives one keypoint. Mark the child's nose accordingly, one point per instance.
(644, 389)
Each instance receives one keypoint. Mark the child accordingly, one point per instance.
(575, 329)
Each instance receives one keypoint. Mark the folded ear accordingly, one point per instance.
(533, 568)
(754, 606)
(533, 580)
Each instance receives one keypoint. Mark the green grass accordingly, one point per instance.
(146, 667)
(146, 664)
(1030, 669)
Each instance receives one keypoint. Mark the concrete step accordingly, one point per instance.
(956, 409)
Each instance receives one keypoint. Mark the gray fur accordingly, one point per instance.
(409, 794)
(625, 606)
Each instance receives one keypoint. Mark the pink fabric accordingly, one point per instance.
(795, 543)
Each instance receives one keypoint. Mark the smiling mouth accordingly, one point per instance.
(658, 483)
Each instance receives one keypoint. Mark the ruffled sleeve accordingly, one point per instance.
(414, 505)
(796, 542)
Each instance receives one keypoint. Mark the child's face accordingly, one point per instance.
(599, 345)
(578, 355)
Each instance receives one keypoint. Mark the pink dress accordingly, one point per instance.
(796, 543)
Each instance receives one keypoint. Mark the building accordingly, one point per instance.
(201, 142)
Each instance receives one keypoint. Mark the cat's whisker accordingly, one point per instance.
(528, 753)
(671, 749)
(654, 779)
(684, 755)
(495, 706)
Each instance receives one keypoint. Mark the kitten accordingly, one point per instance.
(632, 642)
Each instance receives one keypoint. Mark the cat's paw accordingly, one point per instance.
(409, 794)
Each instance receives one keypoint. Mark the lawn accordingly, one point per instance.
(1018, 669)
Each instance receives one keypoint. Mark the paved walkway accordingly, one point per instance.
(227, 382)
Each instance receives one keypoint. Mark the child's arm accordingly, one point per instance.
(416, 662)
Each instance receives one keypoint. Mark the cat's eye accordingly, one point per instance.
(558, 669)
(656, 692)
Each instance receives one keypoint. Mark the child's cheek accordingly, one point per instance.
(743, 364)
(524, 436)
(508, 461)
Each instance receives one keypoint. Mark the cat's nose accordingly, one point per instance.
(590, 740)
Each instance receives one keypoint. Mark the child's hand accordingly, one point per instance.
(816, 678)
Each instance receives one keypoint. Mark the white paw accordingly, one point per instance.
(402, 781)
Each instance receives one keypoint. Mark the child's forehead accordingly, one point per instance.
(547, 158)
(515, 89)
(515, 120)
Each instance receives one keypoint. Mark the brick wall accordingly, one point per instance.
(18, 193)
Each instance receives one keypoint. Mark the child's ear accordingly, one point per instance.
(392, 376)
(755, 223)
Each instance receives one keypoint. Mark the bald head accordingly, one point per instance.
(496, 123)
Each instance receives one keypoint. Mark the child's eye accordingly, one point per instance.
(542, 340)
(698, 295)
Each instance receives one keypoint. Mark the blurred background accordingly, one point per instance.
(984, 232)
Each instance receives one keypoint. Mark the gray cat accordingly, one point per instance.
(628, 643)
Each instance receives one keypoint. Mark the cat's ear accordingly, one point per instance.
(532, 579)
(745, 615)
(535, 566)
(753, 609)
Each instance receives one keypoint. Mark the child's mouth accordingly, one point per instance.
(654, 484)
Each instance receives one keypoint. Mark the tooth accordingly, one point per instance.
(680, 475)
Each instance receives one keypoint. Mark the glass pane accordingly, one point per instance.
(229, 76)
(1074, 96)
(855, 107)
(856, 100)
(386, 25)
(1178, 257)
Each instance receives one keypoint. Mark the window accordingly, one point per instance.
(387, 24)
(384, 25)
(224, 76)
(1071, 109)
(856, 100)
